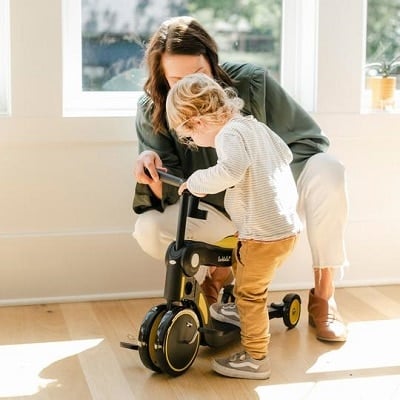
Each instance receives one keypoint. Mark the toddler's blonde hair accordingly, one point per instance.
(197, 96)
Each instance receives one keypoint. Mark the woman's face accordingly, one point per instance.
(176, 66)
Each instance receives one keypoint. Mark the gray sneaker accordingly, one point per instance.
(241, 365)
(225, 312)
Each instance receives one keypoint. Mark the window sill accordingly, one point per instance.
(101, 104)
(390, 108)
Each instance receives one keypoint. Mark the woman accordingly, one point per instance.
(181, 46)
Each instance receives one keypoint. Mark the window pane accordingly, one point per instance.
(115, 32)
(383, 53)
(383, 32)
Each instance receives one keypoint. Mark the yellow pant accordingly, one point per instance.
(254, 266)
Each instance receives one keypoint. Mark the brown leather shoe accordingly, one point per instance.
(212, 285)
(327, 321)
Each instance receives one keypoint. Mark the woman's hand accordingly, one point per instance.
(146, 171)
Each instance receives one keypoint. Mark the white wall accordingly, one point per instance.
(66, 183)
(66, 187)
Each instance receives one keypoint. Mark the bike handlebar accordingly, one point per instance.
(167, 178)
(170, 179)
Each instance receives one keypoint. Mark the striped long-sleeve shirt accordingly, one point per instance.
(253, 167)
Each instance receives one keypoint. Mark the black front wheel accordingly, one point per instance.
(178, 340)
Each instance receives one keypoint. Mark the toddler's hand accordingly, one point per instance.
(182, 188)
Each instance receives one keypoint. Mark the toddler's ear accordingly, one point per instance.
(196, 121)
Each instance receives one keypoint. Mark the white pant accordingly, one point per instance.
(322, 206)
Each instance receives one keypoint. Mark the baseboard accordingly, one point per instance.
(81, 298)
(159, 293)
(338, 284)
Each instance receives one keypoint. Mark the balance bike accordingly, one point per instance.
(171, 333)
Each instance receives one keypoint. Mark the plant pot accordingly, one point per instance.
(382, 91)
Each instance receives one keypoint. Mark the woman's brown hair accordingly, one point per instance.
(183, 36)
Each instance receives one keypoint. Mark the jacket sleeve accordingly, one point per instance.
(163, 145)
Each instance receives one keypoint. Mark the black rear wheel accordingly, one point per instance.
(291, 310)
(147, 337)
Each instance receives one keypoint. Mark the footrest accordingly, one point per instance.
(131, 346)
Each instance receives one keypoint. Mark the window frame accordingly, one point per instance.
(311, 63)
(5, 65)
(299, 56)
(76, 102)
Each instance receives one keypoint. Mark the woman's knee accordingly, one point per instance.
(326, 170)
(148, 235)
(337, 172)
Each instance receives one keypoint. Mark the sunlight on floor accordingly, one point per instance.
(21, 364)
(385, 387)
(368, 365)
(370, 344)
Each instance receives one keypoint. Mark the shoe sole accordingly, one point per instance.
(232, 373)
(222, 318)
(336, 339)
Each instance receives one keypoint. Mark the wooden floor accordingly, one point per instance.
(72, 352)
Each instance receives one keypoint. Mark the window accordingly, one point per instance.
(383, 47)
(383, 30)
(104, 41)
(76, 101)
(114, 36)
(5, 107)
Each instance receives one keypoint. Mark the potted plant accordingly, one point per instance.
(382, 82)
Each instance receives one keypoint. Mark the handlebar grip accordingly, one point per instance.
(168, 178)
(193, 210)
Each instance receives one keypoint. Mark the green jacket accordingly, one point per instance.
(265, 99)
